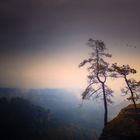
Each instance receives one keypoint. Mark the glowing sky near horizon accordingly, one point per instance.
(42, 42)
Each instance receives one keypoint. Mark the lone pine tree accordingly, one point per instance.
(98, 70)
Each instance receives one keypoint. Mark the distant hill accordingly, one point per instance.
(46, 114)
(65, 112)
(126, 126)
(19, 119)
(64, 106)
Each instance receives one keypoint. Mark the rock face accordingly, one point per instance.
(126, 126)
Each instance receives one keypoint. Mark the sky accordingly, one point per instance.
(43, 41)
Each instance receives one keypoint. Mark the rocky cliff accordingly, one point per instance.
(126, 126)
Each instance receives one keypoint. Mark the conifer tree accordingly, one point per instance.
(132, 86)
(98, 70)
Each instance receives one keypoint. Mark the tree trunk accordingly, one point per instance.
(132, 94)
(133, 100)
(105, 105)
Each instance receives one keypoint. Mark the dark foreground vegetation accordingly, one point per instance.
(126, 126)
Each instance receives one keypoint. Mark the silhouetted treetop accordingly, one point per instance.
(123, 70)
(97, 64)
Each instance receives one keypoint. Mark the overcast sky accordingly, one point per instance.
(43, 41)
